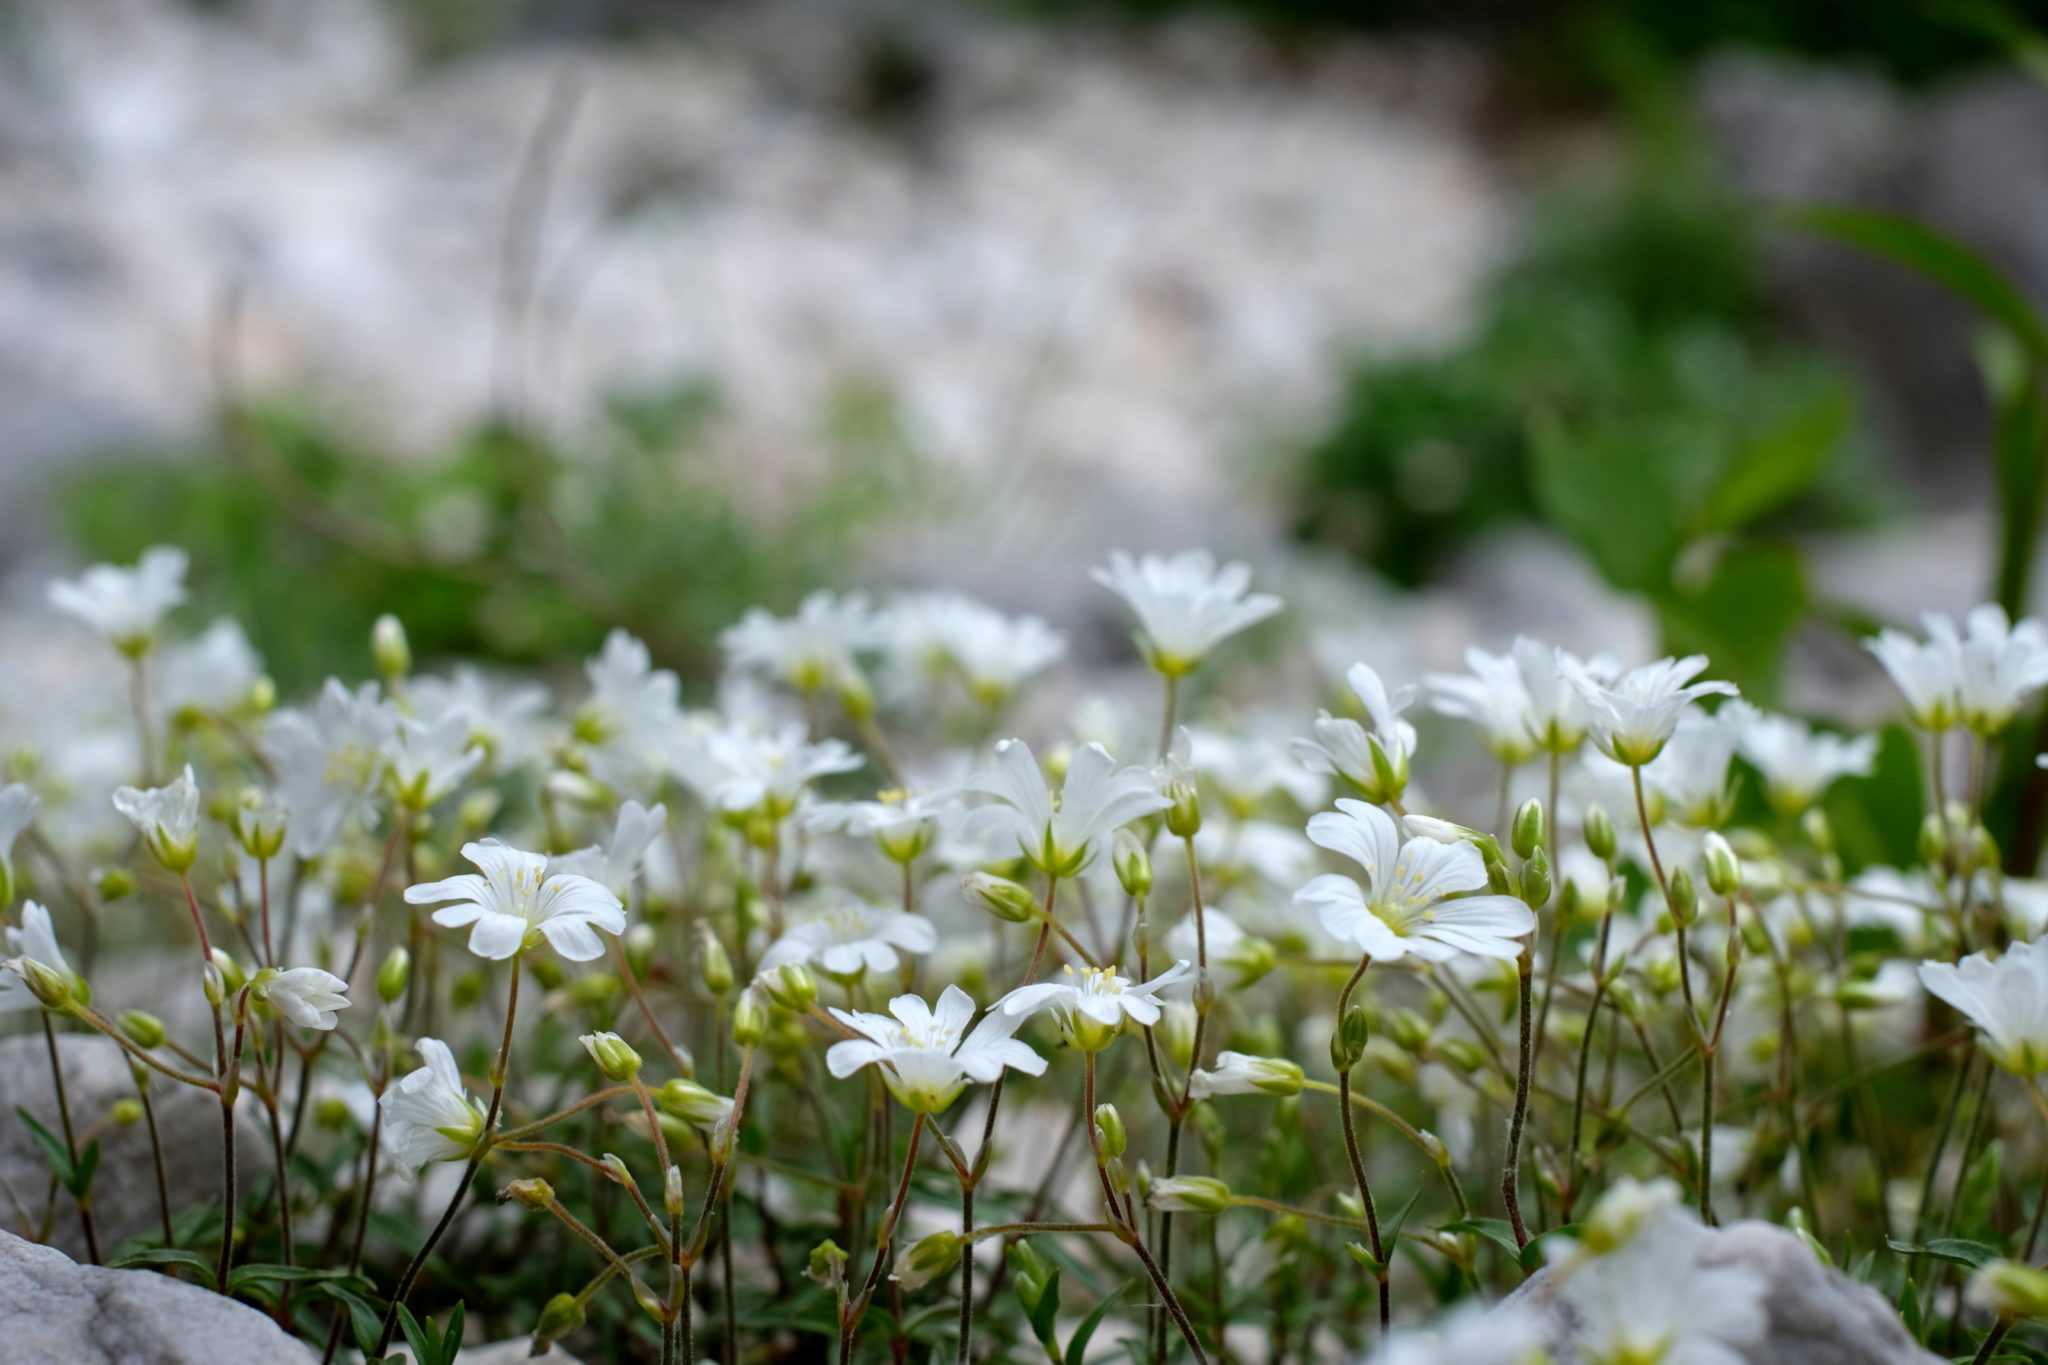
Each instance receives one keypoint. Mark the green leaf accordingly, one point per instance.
(1909, 1310)
(1955, 1250)
(364, 1321)
(191, 1260)
(80, 1183)
(1496, 1230)
(1621, 503)
(1077, 1345)
(451, 1336)
(1938, 257)
(1045, 1312)
(1531, 1255)
(244, 1275)
(2018, 453)
(426, 1349)
(1741, 616)
(1781, 464)
(54, 1150)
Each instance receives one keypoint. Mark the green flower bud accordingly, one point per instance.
(393, 974)
(1347, 1044)
(1683, 899)
(615, 1167)
(1821, 834)
(390, 648)
(613, 1055)
(1406, 1029)
(1600, 837)
(928, 1259)
(146, 1031)
(1389, 773)
(468, 988)
(672, 1191)
(1109, 1130)
(714, 968)
(827, 1264)
(1724, 871)
(692, 1103)
(750, 1019)
(560, 1316)
(999, 896)
(1933, 844)
(114, 883)
(126, 1113)
(1189, 1194)
(233, 976)
(332, 1115)
(1527, 834)
(1133, 866)
(792, 986)
(1251, 958)
(1536, 879)
(2009, 1289)
(1462, 1053)
(535, 1194)
(1184, 816)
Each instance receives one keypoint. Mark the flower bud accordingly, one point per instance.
(390, 648)
(1133, 865)
(827, 1264)
(613, 1055)
(928, 1259)
(144, 1030)
(535, 1194)
(1724, 871)
(1406, 1029)
(1462, 1053)
(1683, 899)
(259, 821)
(1389, 773)
(999, 896)
(2009, 1289)
(1536, 879)
(114, 883)
(392, 975)
(1109, 1130)
(672, 1191)
(1347, 1044)
(1819, 832)
(1600, 837)
(1527, 834)
(714, 968)
(1189, 1194)
(856, 696)
(1933, 846)
(232, 976)
(651, 1303)
(692, 1103)
(791, 986)
(1184, 816)
(213, 984)
(51, 988)
(560, 1316)
(750, 1018)
(127, 1113)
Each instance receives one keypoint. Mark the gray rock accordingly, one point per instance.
(1818, 1316)
(124, 1188)
(57, 1311)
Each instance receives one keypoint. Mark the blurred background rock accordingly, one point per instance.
(527, 318)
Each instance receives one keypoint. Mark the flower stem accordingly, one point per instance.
(476, 1160)
(1372, 1220)
(84, 1199)
(1511, 1165)
(849, 1324)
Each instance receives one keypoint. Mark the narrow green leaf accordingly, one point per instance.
(53, 1148)
(364, 1321)
(259, 1273)
(1077, 1345)
(1496, 1230)
(425, 1349)
(80, 1182)
(1909, 1310)
(1955, 1250)
(1045, 1312)
(451, 1336)
(178, 1256)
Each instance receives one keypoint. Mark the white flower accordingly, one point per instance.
(305, 995)
(616, 862)
(1257, 848)
(850, 937)
(1649, 1300)
(1234, 956)
(2007, 999)
(1185, 604)
(1060, 837)
(1558, 715)
(1692, 771)
(738, 771)
(1246, 770)
(125, 606)
(926, 1055)
(428, 1116)
(1470, 1334)
(810, 650)
(631, 721)
(1633, 715)
(1374, 764)
(1091, 1005)
(1799, 763)
(328, 761)
(1492, 697)
(1403, 905)
(214, 672)
(902, 823)
(17, 808)
(36, 941)
(940, 633)
(504, 718)
(1978, 676)
(427, 761)
(1239, 1073)
(168, 817)
(515, 897)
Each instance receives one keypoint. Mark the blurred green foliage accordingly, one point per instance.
(1627, 384)
(508, 546)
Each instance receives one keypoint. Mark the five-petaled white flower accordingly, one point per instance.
(1692, 772)
(1977, 676)
(1634, 715)
(1410, 901)
(902, 823)
(428, 1116)
(614, 863)
(1060, 837)
(1185, 604)
(2006, 998)
(516, 898)
(849, 937)
(1493, 697)
(35, 941)
(1799, 763)
(1373, 763)
(1092, 1004)
(934, 635)
(926, 1054)
(427, 761)
(745, 770)
(125, 606)
(329, 759)
(307, 996)
(168, 817)
(811, 650)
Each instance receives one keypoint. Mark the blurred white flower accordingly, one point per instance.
(503, 716)
(428, 1116)
(329, 760)
(1491, 696)
(1060, 837)
(427, 760)
(216, 671)
(168, 818)
(515, 897)
(926, 1054)
(125, 606)
(811, 650)
(1185, 604)
(1470, 1334)
(1239, 1073)
(743, 771)
(940, 634)
(902, 823)
(36, 941)
(1245, 770)
(1692, 771)
(2005, 998)
(850, 936)
(631, 721)
(1798, 763)
(1977, 677)
(1634, 714)
(1344, 748)
(616, 862)
(1410, 901)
